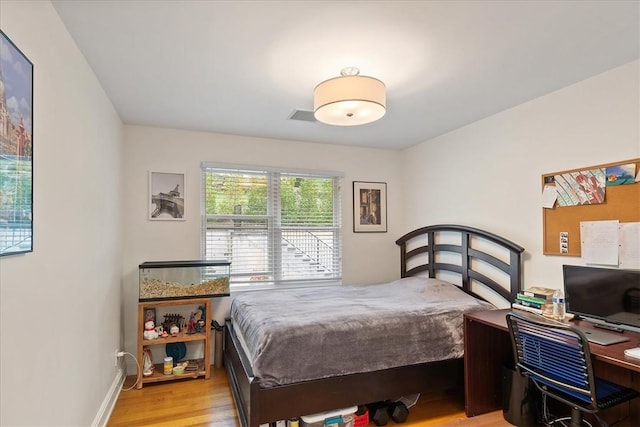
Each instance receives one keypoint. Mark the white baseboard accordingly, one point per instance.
(102, 417)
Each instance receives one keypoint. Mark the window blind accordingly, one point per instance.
(276, 227)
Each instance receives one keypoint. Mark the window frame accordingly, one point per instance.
(274, 228)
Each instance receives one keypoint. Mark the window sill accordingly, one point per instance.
(237, 289)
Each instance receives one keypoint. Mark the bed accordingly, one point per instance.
(482, 266)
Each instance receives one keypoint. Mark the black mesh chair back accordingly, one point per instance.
(557, 359)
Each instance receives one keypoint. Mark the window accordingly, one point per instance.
(276, 227)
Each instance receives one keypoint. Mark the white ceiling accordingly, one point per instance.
(243, 67)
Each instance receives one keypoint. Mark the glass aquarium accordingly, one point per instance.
(163, 280)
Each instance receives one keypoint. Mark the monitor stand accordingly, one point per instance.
(599, 323)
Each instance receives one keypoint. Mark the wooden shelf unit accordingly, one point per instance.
(205, 337)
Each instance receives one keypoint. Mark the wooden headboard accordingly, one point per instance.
(468, 253)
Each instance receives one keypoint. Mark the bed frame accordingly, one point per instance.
(257, 405)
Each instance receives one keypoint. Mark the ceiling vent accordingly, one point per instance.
(303, 115)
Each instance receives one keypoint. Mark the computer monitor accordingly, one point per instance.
(607, 294)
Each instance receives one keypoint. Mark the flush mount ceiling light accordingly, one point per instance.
(350, 99)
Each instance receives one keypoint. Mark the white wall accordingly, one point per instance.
(60, 305)
(488, 174)
(367, 257)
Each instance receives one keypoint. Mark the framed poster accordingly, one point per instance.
(166, 196)
(16, 149)
(369, 207)
(150, 314)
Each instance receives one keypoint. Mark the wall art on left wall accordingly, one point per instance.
(16, 149)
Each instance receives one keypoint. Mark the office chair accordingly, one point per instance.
(557, 359)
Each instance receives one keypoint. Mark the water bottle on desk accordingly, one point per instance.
(558, 304)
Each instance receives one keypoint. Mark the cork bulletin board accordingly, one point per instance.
(621, 202)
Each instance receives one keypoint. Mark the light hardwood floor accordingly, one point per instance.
(198, 402)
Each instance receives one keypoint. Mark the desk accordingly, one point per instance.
(487, 347)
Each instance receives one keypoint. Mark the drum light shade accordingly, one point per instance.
(349, 100)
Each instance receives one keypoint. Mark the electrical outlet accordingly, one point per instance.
(117, 358)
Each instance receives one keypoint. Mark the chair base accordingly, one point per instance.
(575, 420)
(567, 422)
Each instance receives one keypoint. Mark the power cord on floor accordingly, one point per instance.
(551, 420)
(138, 370)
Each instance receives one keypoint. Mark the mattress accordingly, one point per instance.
(304, 334)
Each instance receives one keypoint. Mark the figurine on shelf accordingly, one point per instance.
(147, 362)
(150, 332)
(174, 330)
(200, 323)
(192, 324)
(171, 319)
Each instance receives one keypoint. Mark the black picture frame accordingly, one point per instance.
(369, 207)
(150, 314)
(16, 149)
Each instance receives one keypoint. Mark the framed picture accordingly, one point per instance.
(150, 314)
(166, 196)
(369, 207)
(16, 150)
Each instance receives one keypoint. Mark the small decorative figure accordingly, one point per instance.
(192, 324)
(150, 332)
(172, 319)
(147, 362)
(174, 330)
(199, 319)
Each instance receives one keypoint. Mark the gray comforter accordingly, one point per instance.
(303, 334)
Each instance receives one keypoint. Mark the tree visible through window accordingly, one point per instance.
(275, 227)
